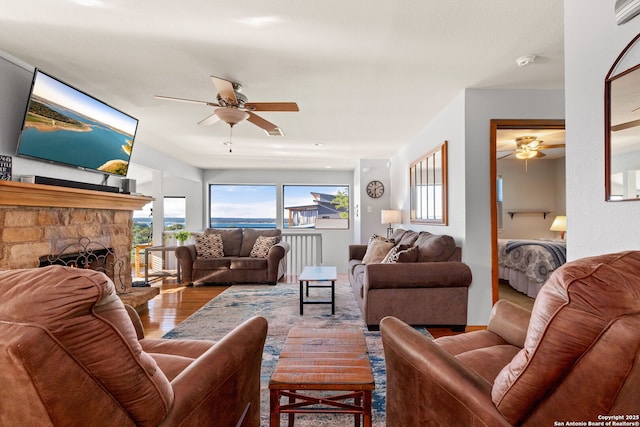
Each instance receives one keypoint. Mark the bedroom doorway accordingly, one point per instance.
(503, 145)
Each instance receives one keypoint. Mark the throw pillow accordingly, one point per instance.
(401, 253)
(377, 248)
(209, 246)
(262, 245)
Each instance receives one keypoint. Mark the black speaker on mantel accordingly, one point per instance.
(75, 184)
(128, 185)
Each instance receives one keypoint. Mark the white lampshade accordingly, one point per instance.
(559, 224)
(390, 216)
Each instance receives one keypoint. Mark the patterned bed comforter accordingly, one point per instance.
(537, 259)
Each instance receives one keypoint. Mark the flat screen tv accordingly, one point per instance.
(65, 125)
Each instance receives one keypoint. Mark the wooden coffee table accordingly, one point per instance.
(318, 274)
(322, 371)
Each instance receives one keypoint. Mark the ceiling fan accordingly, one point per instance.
(530, 147)
(232, 107)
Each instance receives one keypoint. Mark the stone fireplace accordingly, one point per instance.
(40, 220)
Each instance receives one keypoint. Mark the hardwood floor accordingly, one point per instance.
(176, 302)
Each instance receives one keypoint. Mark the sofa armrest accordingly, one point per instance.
(357, 251)
(219, 385)
(426, 384)
(417, 275)
(278, 251)
(510, 322)
(185, 255)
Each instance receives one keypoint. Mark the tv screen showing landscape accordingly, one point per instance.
(67, 126)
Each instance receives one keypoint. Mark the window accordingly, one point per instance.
(428, 187)
(316, 206)
(235, 206)
(174, 213)
(142, 221)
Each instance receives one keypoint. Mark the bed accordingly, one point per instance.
(527, 264)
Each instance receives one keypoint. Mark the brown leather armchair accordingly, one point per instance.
(577, 358)
(71, 356)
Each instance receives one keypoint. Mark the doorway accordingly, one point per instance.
(497, 126)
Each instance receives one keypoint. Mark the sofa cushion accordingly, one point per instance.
(404, 237)
(401, 253)
(250, 235)
(248, 263)
(434, 247)
(377, 249)
(231, 240)
(212, 263)
(209, 246)
(262, 246)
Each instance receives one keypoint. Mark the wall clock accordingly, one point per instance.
(375, 189)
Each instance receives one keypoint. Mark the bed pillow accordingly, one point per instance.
(262, 245)
(209, 246)
(377, 249)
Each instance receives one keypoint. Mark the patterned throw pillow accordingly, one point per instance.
(209, 246)
(401, 253)
(262, 245)
(377, 248)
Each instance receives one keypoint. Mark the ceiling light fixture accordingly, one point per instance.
(231, 115)
(525, 60)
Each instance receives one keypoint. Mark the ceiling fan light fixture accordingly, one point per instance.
(231, 115)
(526, 155)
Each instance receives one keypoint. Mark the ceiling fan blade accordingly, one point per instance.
(267, 126)
(271, 106)
(225, 89)
(192, 101)
(209, 120)
(544, 147)
(539, 155)
(505, 156)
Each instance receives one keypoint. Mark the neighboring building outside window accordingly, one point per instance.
(316, 206)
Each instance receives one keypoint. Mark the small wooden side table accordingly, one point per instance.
(324, 360)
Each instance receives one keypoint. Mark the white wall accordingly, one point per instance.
(539, 187)
(592, 43)
(335, 243)
(369, 208)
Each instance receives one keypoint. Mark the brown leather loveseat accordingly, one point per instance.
(237, 260)
(574, 358)
(71, 356)
(427, 284)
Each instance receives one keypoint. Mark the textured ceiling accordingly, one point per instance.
(366, 74)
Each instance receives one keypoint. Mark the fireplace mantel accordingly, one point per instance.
(25, 194)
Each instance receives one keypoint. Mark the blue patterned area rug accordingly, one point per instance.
(280, 306)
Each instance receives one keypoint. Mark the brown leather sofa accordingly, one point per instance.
(575, 357)
(71, 356)
(432, 289)
(236, 265)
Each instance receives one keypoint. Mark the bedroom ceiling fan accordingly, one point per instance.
(530, 147)
(232, 107)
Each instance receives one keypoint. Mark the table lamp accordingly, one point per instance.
(559, 224)
(390, 216)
